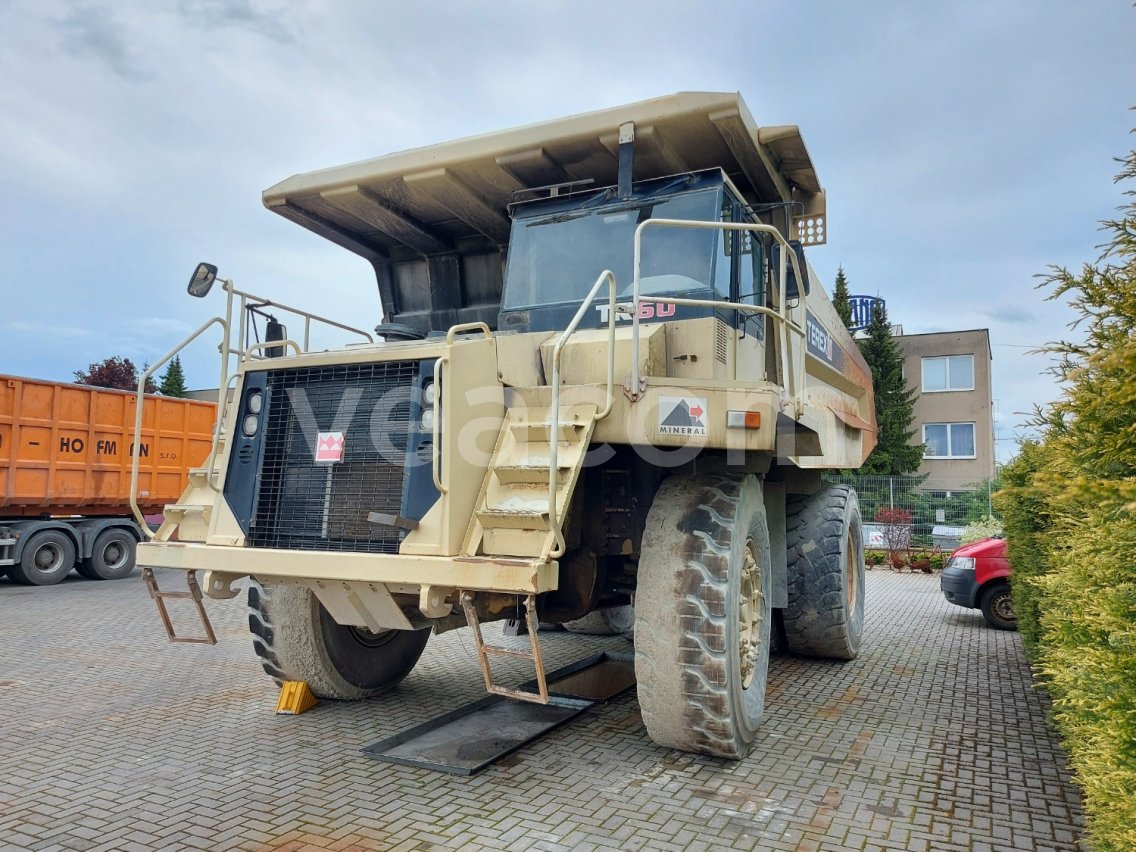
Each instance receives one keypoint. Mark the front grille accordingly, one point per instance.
(303, 504)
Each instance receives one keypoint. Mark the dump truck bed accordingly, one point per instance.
(434, 221)
(65, 448)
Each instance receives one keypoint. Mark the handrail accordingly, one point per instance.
(462, 327)
(554, 408)
(785, 323)
(261, 302)
(139, 402)
(269, 344)
(435, 428)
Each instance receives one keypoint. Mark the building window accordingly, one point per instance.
(948, 441)
(948, 373)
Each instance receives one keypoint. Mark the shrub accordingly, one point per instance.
(1070, 512)
(987, 527)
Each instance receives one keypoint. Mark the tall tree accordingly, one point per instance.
(173, 380)
(895, 401)
(841, 298)
(114, 372)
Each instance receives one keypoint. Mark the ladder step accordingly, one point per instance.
(507, 542)
(194, 594)
(540, 430)
(484, 651)
(514, 519)
(508, 652)
(528, 474)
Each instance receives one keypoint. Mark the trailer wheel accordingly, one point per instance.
(825, 543)
(48, 557)
(296, 639)
(702, 614)
(997, 605)
(112, 556)
(610, 621)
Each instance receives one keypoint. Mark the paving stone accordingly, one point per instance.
(934, 739)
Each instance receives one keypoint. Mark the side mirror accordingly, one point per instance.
(202, 280)
(274, 331)
(792, 286)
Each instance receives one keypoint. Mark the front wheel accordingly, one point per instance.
(997, 606)
(297, 640)
(702, 614)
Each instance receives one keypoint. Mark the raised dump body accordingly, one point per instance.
(65, 465)
(607, 375)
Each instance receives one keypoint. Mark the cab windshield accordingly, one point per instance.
(555, 257)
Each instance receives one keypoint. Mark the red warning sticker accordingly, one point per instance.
(329, 447)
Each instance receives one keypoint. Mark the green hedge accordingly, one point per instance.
(1069, 507)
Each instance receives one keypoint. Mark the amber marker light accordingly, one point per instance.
(743, 419)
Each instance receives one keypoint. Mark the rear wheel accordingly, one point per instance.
(112, 556)
(825, 543)
(997, 606)
(48, 557)
(297, 640)
(702, 614)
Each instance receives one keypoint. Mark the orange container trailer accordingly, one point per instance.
(65, 457)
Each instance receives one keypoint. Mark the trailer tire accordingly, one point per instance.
(610, 621)
(112, 556)
(825, 543)
(48, 557)
(702, 614)
(297, 640)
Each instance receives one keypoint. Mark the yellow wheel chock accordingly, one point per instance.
(295, 697)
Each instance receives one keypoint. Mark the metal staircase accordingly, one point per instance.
(522, 500)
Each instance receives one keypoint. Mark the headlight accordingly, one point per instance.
(255, 402)
(961, 563)
(249, 425)
(428, 394)
(428, 420)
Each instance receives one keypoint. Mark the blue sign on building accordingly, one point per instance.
(862, 310)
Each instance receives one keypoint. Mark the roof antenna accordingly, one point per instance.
(626, 146)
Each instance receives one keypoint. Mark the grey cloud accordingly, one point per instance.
(92, 32)
(236, 13)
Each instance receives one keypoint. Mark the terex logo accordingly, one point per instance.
(819, 339)
(647, 310)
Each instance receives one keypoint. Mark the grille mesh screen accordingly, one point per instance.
(307, 505)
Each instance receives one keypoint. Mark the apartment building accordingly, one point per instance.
(954, 416)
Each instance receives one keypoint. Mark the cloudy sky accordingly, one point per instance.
(964, 146)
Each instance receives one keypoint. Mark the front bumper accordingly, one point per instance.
(473, 573)
(959, 586)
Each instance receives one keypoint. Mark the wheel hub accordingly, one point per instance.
(1004, 607)
(749, 614)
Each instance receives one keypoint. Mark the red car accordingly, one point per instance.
(978, 577)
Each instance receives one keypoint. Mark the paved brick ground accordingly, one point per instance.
(112, 739)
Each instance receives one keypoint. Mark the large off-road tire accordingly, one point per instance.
(47, 558)
(997, 605)
(296, 639)
(825, 543)
(611, 621)
(112, 556)
(702, 614)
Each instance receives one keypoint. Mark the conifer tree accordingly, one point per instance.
(173, 380)
(894, 454)
(841, 299)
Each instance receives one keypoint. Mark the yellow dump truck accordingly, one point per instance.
(605, 375)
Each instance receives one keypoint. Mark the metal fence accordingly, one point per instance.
(935, 516)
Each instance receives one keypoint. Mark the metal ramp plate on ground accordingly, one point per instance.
(471, 738)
